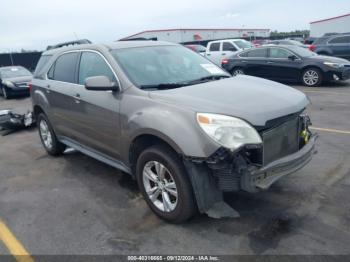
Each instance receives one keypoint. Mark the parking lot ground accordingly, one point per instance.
(76, 205)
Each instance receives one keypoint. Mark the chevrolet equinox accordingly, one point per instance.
(177, 123)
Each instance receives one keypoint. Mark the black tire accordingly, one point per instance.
(308, 81)
(186, 206)
(56, 148)
(237, 71)
(5, 93)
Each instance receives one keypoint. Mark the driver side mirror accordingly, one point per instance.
(100, 83)
(292, 57)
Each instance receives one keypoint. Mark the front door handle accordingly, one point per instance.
(48, 89)
(223, 54)
(270, 62)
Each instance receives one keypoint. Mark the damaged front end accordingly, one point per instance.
(287, 145)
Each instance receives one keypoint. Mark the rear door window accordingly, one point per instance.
(279, 53)
(257, 53)
(65, 68)
(227, 46)
(93, 64)
(214, 47)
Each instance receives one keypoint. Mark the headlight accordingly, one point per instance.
(230, 132)
(8, 83)
(334, 65)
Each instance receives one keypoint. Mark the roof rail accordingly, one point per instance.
(76, 42)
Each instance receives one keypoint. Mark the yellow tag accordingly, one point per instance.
(304, 135)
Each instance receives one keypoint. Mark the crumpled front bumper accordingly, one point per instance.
(254, 180)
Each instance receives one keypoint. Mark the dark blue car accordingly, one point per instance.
(334, 45)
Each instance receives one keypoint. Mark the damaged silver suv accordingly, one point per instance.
(178, 124)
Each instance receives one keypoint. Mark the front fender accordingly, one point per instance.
(176, 126)
(40, 99)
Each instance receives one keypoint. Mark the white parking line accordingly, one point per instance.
(331, 130)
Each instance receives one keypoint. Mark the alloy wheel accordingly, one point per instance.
(160, 186)
(238, 72)
(45, 134)
(311, 77)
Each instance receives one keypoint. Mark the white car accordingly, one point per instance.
(222, 49)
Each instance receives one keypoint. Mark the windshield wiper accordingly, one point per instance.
(163, 86)
(181, 84)
(206, 79)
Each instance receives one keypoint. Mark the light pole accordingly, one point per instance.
(10, 53)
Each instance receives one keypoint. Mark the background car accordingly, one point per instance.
(288, 63)
(288, 42)
(260, 42)
(14, 80)
(220, 49)
(333, 45)
(197, 48)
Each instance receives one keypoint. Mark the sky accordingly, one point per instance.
(36, 24)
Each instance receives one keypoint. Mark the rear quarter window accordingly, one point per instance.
(44, 59)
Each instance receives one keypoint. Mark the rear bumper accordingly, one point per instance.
(263, 178)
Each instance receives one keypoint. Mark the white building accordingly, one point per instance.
(339, 24)
(193, 35)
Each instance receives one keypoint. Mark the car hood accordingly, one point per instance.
(253, 99)
(19, 79)
(332, 59)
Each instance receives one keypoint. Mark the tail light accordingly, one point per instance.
(224, 61)
(312, 48)
(30, 86)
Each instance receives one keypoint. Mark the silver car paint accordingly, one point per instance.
(109, 122)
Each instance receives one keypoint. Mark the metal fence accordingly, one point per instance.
(27, 60)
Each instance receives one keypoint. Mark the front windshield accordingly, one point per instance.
(159, 65)
(303, 52)
(243, 44)
(10, 72)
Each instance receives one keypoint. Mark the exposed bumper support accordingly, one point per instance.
(263, 178)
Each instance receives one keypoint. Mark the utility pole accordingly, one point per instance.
(10, 53)
(11, 58)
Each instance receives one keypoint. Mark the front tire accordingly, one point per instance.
(312, 77)
(237, 71)
(165, 185)
(48, 137)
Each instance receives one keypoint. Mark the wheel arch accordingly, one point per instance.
(142, 141)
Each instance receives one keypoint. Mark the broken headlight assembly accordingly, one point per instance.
(230, 132)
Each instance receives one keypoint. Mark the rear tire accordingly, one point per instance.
(165, 185)
(312, 77)
(237, 71)
(48, 137)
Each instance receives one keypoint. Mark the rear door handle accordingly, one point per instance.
(77, 98)
(270, 62)
(208, 54)
(48, 89)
